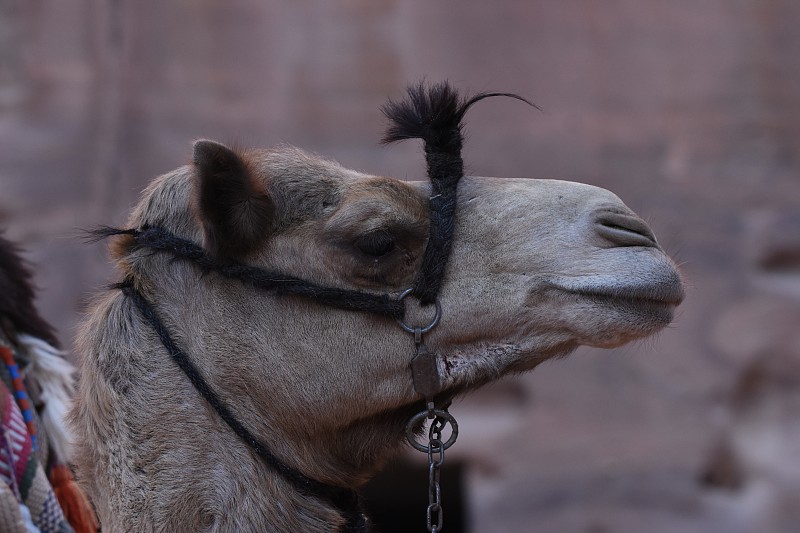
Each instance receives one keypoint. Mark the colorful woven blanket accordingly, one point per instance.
(37, 490)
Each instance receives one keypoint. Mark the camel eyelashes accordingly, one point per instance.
(375, 244)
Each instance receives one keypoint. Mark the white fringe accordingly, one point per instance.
(56, 379)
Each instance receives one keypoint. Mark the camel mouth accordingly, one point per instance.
(671, 298)
(646, 304)
(665, 291)
(658, 312)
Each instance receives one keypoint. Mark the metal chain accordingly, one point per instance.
(435, 514)
(427, 383)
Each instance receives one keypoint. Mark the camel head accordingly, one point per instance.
(537, 268)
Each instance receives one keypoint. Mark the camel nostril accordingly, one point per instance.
(624, 230)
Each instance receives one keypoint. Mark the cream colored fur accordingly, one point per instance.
(530, 278)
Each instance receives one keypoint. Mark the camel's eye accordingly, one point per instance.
(375, 244)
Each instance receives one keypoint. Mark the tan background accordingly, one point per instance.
(689, 110)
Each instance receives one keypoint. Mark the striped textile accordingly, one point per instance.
(27, 501)
(20, 392)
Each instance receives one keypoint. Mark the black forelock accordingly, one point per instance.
(434, 114)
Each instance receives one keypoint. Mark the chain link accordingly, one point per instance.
(427, 383)
(435, 514)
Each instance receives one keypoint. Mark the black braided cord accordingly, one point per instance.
(343, 499)
(159, 239)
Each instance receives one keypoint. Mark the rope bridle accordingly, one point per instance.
(434, 115)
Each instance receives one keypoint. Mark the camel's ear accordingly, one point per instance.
(232, 202)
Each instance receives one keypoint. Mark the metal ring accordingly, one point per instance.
(444, 415)
(427, 328)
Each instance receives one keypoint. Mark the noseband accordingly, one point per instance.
(433, 114)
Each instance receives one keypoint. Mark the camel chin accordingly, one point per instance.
(601, 317)
(609, 311)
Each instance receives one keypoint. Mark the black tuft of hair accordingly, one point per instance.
(434, 114)
(17, 296)
(99, 233)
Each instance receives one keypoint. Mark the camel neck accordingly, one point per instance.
(346, 501)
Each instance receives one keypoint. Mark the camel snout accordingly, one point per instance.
(623, 229)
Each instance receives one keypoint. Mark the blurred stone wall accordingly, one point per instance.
(689, 111)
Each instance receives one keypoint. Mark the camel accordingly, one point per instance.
(536, 268)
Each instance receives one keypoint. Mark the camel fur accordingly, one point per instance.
(538, 267)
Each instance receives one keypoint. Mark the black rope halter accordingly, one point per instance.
(161, 240)
(433, 114)
(343, 499)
